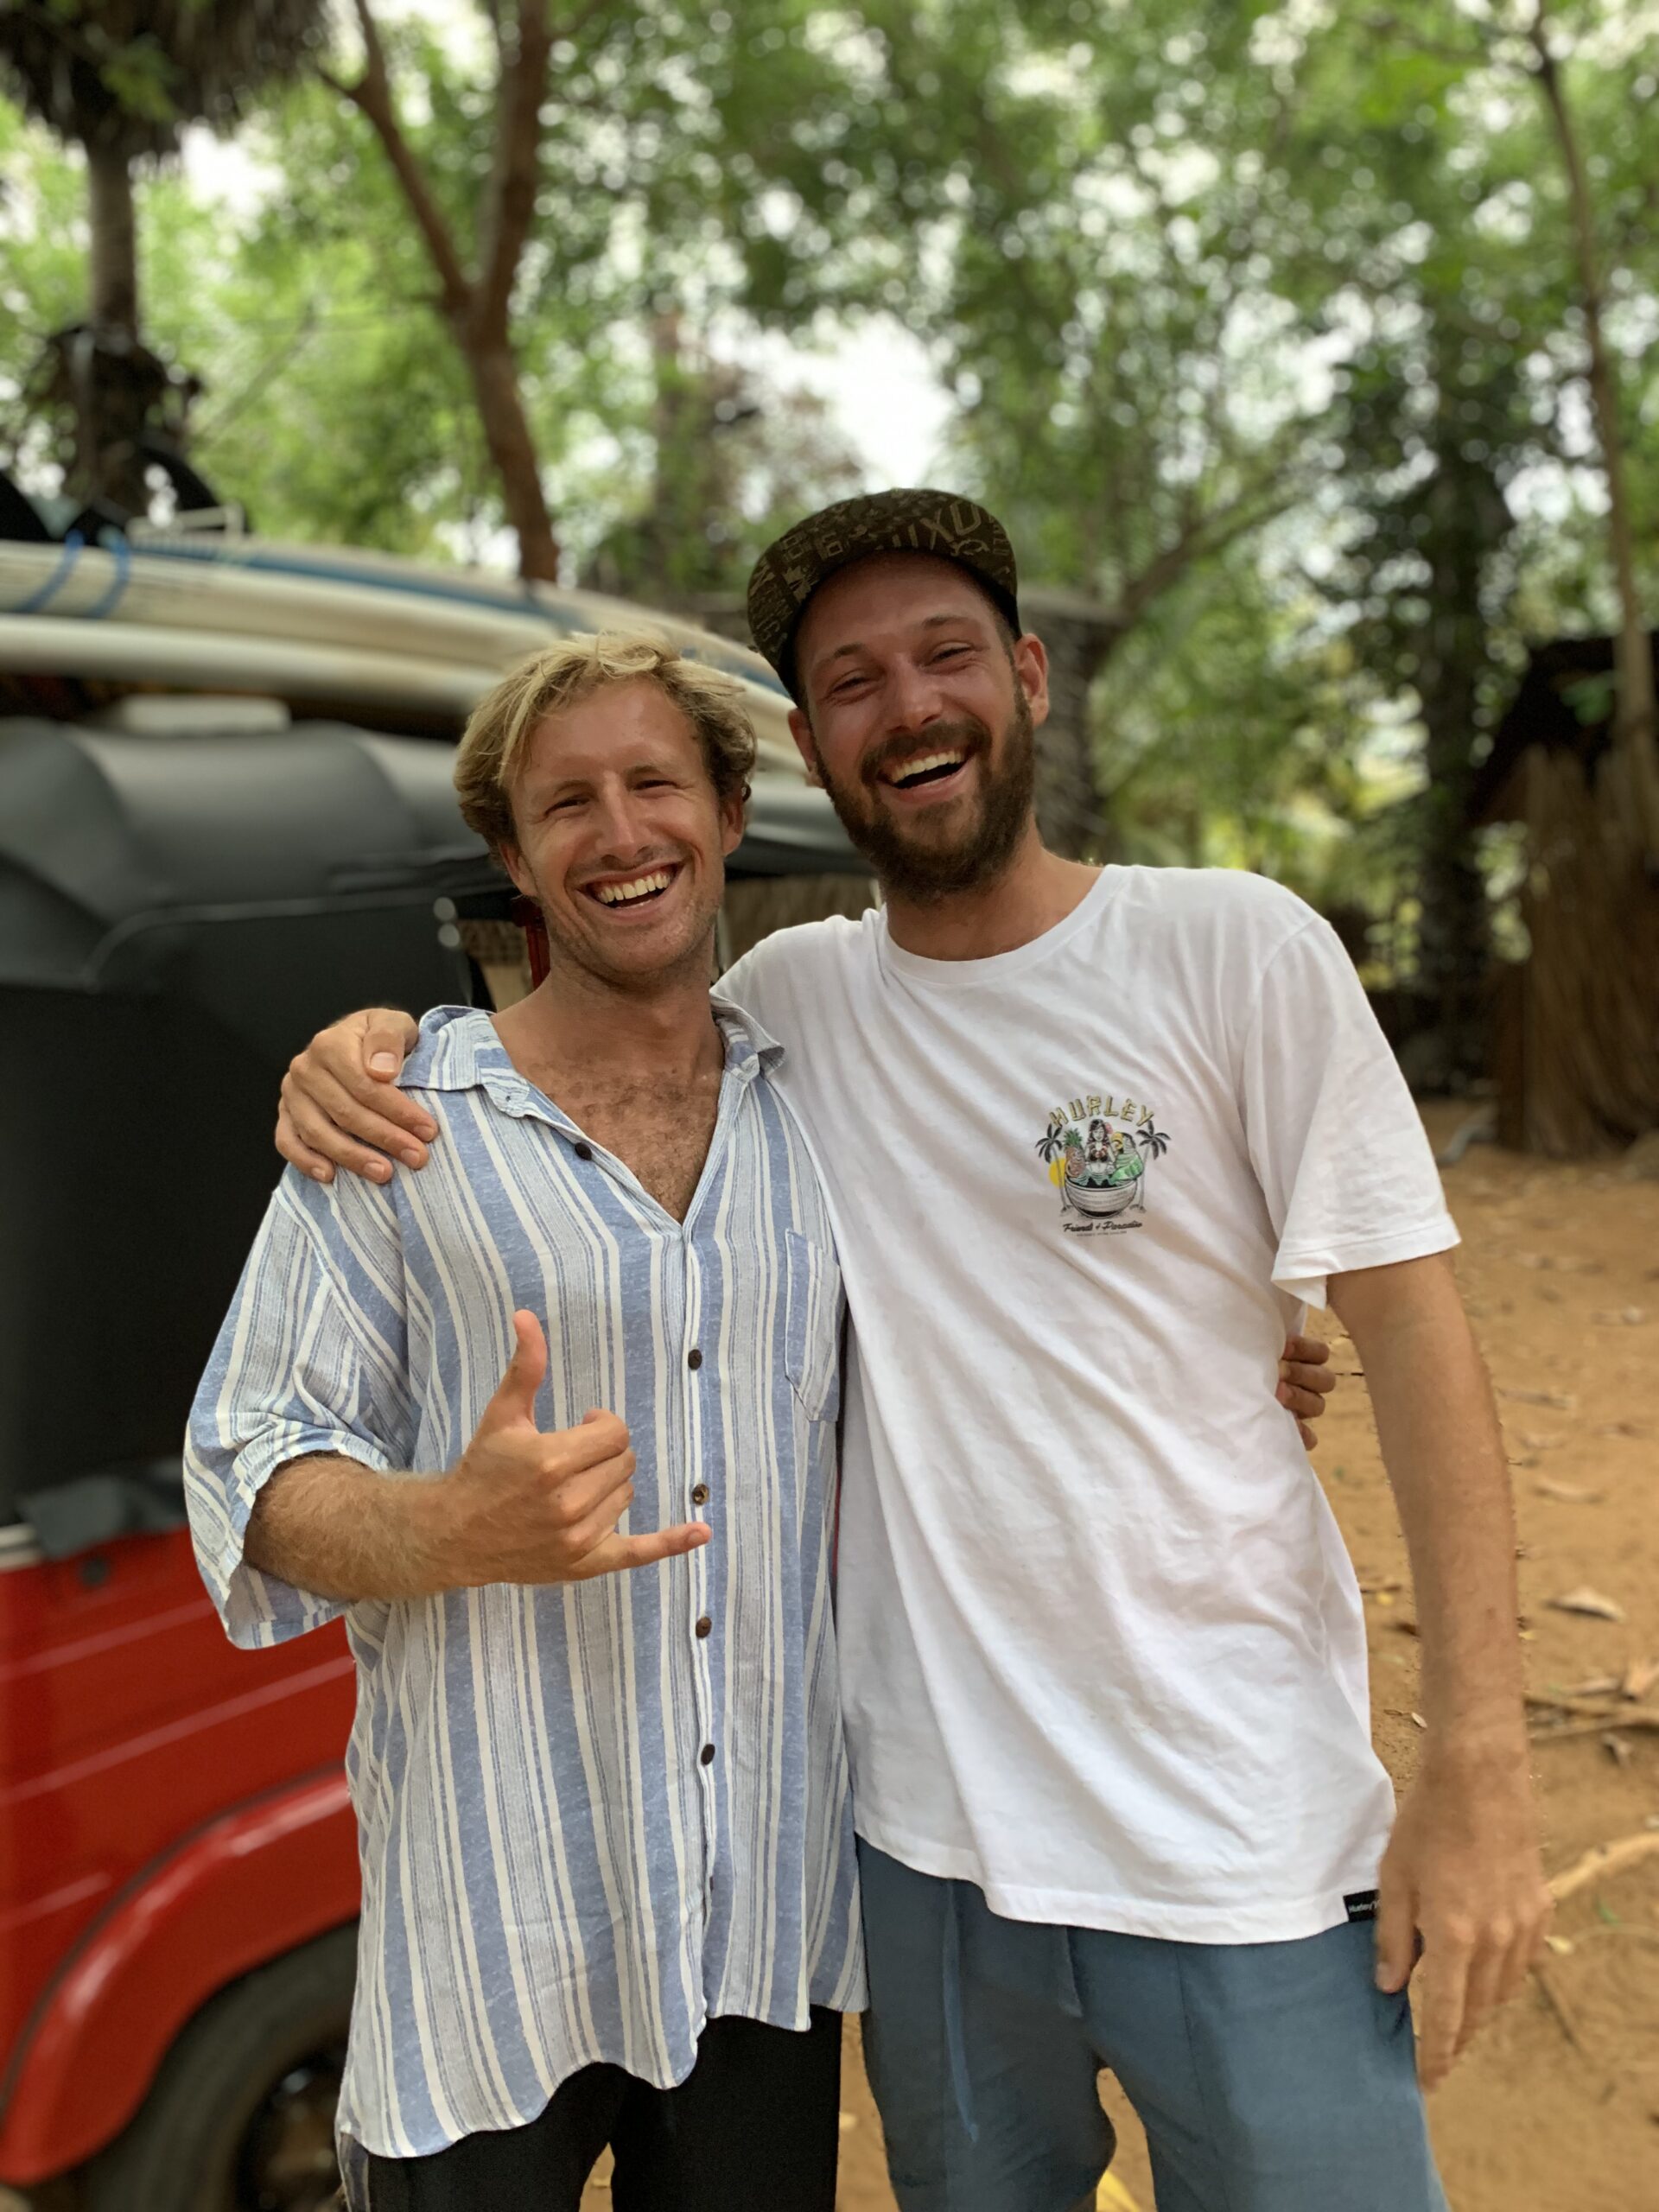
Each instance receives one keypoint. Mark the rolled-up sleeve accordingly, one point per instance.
(312, 1359)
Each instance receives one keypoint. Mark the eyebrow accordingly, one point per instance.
(928, 622)
(553, 785)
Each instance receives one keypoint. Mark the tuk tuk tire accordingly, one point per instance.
(183, 2150)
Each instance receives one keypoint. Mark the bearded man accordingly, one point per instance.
(1102, 1653)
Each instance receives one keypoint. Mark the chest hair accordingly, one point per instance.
(661, 1130)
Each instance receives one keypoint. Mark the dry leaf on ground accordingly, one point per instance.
(1639, 1678)
(1588, 1601)
(1563, 1401)
(1569, 1493)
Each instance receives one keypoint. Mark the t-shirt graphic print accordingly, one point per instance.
(1097, 1149)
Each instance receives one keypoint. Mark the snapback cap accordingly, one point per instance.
(940, 523)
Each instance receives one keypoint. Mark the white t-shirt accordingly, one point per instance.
(1102, 1653)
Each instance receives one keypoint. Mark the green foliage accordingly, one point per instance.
(128, 74)
(1259, 323)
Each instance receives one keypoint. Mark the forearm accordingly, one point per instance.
(1443, 1450)
(331, 1525)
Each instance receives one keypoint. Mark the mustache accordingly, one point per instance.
(968, 733)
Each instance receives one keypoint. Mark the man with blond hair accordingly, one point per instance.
(608, 1886)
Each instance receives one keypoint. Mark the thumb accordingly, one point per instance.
(515, 1394)
(388, 1037)
(1397, 1935)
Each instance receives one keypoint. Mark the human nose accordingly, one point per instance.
(623, 829)
(913, 698)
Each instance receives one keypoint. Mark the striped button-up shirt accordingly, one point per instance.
(586, 1828)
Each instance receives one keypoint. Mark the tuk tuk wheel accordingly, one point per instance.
(240, 2116)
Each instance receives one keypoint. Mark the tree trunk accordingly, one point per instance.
(1636, 713)
(114, 272)
(513, 449)
(108, 383)
(1580, 1063)
(1464, 521)
(1080, 635)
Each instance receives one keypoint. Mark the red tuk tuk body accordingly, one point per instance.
(173, 1813)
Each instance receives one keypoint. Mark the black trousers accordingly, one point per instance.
(753, 2127)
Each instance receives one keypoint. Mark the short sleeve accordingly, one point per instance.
(1334, 1135)
(312, 1359)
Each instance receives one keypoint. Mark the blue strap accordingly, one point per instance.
(104, 607)
(48, 591)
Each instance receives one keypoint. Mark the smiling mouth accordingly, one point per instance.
(643, 890)
(926, 768)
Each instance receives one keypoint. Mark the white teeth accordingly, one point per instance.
(618, 895)
(912, 769)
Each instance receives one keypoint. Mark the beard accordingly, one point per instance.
(924, 870)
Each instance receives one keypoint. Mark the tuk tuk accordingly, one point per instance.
(189, 889)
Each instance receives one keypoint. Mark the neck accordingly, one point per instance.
(1037, 890)
(575, 1021)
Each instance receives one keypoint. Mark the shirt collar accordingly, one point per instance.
(458, 1050)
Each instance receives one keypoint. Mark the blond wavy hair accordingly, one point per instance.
(557, 676)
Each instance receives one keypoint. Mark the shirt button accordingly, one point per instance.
(693, 1357)
(582, 1151)
(704, 1626)
(707, 1754)
(700, 1495)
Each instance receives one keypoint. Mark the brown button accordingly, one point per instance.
(582, 1151)
(708, 1755)
(704, 1626)
(694, 1358)
(700, 1495)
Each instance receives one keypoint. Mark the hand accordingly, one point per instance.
(1305, 1380)
(343, 1087)
(525, 1506)
(1463, 1873)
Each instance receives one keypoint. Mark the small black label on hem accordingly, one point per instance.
(1361, 1905)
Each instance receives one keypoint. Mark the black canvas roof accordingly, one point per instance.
(105, 838)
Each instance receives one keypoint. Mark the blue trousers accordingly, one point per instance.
(1269, 2077)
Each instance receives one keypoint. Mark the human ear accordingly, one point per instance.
(800, 728)
(1031, 673)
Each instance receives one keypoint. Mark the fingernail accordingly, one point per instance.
(411, 1157)
(383, 1063)
(379, 1171)
(322, 1175)
(429, 1130)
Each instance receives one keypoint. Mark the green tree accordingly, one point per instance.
(120, 79)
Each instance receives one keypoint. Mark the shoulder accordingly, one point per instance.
(1222, 940)
(453, 1043)
(1226, 898)
(792, 963)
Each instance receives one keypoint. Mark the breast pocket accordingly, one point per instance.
(812, 1326)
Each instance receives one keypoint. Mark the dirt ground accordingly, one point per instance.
(1556, 2109)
